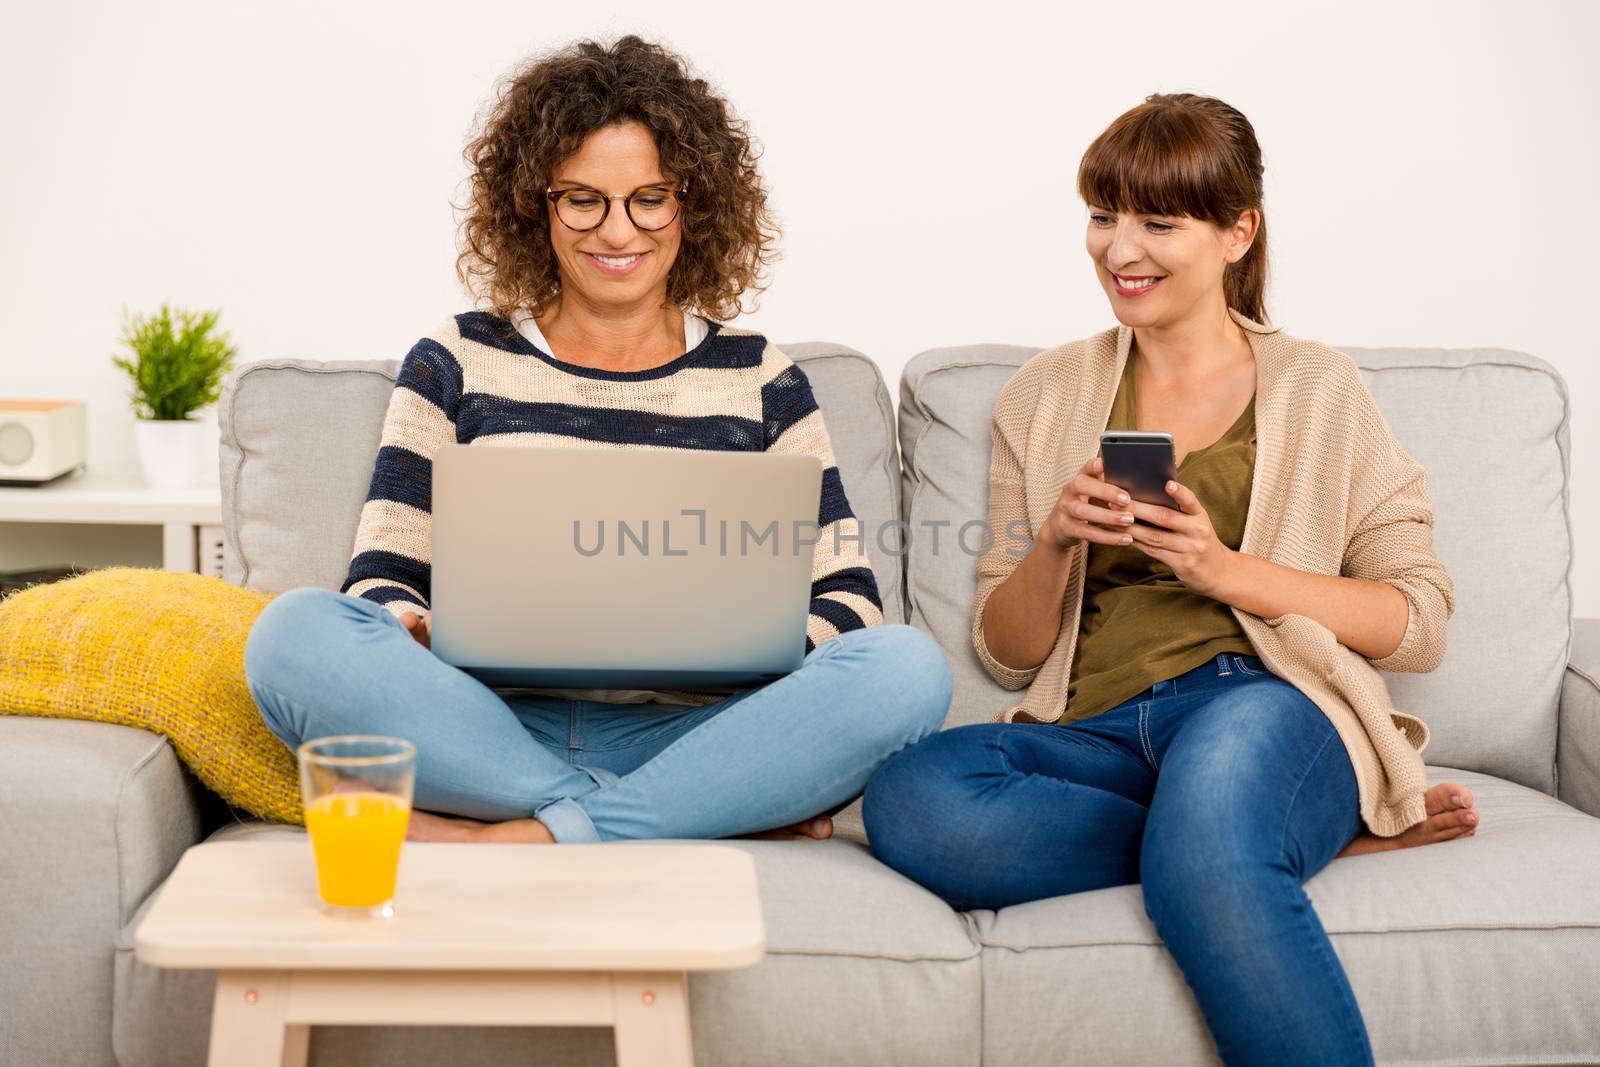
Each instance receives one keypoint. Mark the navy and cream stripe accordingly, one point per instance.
(478, 379)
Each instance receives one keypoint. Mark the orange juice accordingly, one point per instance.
(356, 838)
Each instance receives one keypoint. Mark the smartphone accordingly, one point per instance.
(1141, 462)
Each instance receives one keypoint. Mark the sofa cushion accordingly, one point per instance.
(947, 399)
(863, 966)
(92, 818)
(1578, 731)
(1491, 428)
(160, 651)
(299, 439)
(859, 414)
(1477, 950)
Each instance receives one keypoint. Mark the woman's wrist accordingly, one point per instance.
(1052, 550)
(1230, 581)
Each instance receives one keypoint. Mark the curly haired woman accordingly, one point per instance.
(616, 218)
(1204, 713)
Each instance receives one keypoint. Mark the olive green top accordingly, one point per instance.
(1140, 624)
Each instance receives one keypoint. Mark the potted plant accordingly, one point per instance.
(178, 366)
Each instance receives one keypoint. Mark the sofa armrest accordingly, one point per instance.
(93, 817)
(1578, 729)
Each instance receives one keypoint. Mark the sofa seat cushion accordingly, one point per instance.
(863, 966)
(1477, 950)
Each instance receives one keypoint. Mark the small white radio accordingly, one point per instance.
(40, 440)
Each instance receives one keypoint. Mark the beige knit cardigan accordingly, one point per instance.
(1332, 493)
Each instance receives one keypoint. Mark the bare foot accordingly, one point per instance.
(1450, 814)
(817, 828)
(426, 826)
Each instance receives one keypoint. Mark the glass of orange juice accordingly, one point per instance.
(357, 791)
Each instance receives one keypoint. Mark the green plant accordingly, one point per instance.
(174, 372)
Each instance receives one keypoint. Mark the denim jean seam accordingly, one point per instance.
(1350, 1008)
(1005, 760)
(656, 734)
(1283, 838)
(1246, 669)
(623, 746)
(1144, 735)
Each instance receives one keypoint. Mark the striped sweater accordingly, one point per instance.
(477, 379)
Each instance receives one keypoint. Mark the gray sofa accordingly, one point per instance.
(1478, 951)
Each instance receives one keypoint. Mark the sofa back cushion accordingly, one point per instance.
(299, 439)
(1490, 426)
(947, 399)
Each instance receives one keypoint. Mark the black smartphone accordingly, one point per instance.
(1141, 462)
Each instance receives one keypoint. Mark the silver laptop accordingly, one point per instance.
(622, 568)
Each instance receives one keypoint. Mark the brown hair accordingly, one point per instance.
(1183, 154)
(541, 116)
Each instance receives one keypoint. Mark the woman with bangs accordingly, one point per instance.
(616, 215)
(1204, 713)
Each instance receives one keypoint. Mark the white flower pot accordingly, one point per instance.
(171, 452)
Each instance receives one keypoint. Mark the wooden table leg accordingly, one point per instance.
(652, 1019)
(248, 1022)
(296, 1045)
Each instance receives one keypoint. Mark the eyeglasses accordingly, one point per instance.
(649, 207)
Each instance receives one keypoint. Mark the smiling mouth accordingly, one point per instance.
(616, 262)
(1136, 284)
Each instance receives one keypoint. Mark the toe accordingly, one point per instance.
(1447, 796)
(1437, 799)
(1450, 824)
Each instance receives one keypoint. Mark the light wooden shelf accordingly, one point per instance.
(190, 519)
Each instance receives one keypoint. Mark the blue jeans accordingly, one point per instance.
(1220, 790)
(320, 663)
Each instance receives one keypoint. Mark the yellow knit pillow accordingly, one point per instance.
(160, 650)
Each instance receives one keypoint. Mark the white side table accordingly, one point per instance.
(482, 935)
(190, 519)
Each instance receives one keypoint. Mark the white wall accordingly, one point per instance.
(1431, 172)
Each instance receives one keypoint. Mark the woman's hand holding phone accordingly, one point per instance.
(1183, 539)
(1089, 509)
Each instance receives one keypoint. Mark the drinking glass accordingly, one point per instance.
(357, 792)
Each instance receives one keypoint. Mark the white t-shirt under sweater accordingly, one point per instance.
(694, 331)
